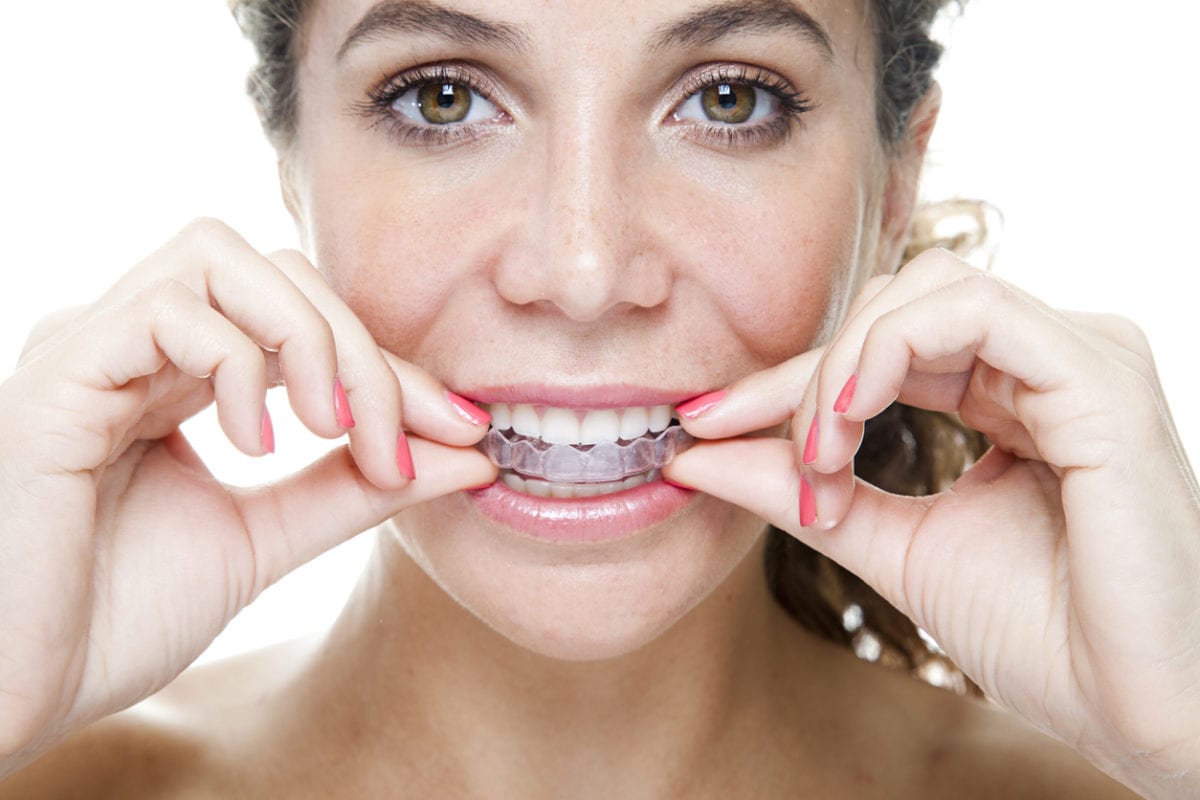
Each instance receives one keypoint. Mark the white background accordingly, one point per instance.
(122, 121)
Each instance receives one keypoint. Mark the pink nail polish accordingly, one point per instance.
(341, 406)
(468, 410)
(700, 405)
(808, 504)
(480, 487)
(810, 444)
(404, 458)
(842, 404)
(266, 432)
(670, 482)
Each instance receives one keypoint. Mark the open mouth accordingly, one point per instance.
(566, 452)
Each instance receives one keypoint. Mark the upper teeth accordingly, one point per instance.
(574, 426)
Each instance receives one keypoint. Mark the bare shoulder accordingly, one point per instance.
(174, 744)
(126, 755)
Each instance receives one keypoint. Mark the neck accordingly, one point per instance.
(408, 671)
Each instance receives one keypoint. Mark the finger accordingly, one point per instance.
(1030, 369)
(831, 438)
(292, 522)
(218, 264)
(870, 538)
(49, 329)
(779, 489)
(754, 403)
(166, 322)
(385, 395)
(765, 398)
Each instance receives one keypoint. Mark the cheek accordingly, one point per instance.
(396, 245)
(773, 246)
(759, 251)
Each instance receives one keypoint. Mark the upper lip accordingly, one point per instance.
(600, 396)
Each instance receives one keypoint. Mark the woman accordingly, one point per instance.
(549, 223)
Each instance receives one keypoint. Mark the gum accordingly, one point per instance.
(591, 463)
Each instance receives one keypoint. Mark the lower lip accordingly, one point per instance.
(605, 518)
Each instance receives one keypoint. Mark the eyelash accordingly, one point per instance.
(382, 96)
(793, 105)
(792, 102)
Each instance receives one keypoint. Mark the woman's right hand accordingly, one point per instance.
(121, 556)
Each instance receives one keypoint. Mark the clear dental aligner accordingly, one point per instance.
(583, 463)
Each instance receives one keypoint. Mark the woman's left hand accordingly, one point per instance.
(1062, 571)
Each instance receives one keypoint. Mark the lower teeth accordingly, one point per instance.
(540, 488)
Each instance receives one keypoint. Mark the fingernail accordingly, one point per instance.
(808, 504)
(480, 487)
(702, 404)
(842, 404)
(266, 432)
(810, 444)
(404, 458)
(341, 406)
(468, 410)
(670, 482)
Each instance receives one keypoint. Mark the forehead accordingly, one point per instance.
(837, 30)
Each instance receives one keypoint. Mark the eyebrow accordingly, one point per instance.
(421, 16)
(708, 25)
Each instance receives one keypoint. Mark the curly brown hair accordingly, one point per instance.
(905, 450)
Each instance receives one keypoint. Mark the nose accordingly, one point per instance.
(584, 246)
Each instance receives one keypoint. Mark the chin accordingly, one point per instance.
(585, 603)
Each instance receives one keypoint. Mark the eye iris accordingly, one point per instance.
(442, 103)
(728, 102)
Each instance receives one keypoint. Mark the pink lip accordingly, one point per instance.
(585, 397)
(583, 520)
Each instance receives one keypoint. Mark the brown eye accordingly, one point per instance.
(728, 102)
(443, 103)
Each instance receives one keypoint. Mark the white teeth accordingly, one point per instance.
(634, 422)
(660, 418)
(525, 421)
(567, 491)
(600, 426)
(572, 426)
(560, 426)
(501, 416)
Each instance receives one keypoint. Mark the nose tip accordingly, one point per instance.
(583, 250)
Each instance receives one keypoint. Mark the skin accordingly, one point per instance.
(589, 228)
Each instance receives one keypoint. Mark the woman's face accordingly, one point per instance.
(588, 205)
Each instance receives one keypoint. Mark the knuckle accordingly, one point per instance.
(247, 356)
(208, 237)
(291, 260)
(50, 325)
(206, 228)
(987, 290)
(162, 297)
(937, 261)
(1127, 334)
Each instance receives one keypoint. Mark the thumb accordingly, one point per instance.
(292, 522)
(761, 475)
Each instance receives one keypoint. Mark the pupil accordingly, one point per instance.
(446, 98)
(725, 96)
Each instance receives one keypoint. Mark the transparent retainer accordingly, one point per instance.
(583, 463)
